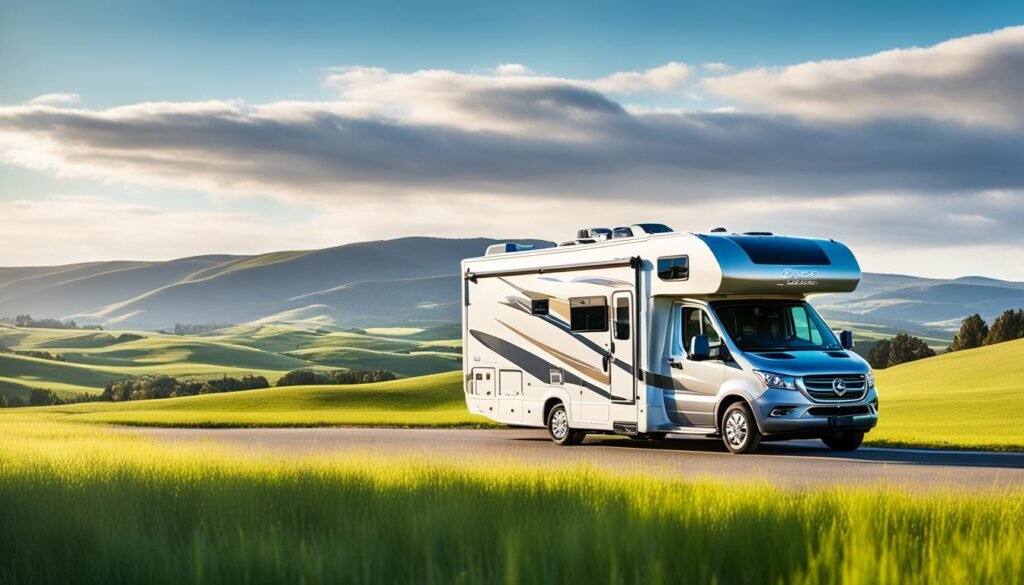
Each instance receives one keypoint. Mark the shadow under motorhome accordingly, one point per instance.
(704, 334)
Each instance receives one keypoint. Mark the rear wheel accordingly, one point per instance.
(844, 441)
(559, 429)
(739, 429)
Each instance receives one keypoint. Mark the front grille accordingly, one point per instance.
(823, 387)
(839, 410)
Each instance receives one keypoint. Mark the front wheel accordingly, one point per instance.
(739, 429)
(844, 441)
(559, 429)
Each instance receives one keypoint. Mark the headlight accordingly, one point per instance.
(870, 379)
(770, 380)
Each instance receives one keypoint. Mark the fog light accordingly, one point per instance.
(781, 410)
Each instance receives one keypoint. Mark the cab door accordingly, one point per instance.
(697, 382)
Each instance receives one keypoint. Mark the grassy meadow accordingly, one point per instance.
(92, 359)
(85, 504)
(427, 401)
(965, 399)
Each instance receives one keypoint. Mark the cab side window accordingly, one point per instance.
(697, 322)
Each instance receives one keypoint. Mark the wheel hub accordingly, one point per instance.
(559, 425)
(736, 429)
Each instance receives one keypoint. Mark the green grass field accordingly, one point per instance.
(428, 401)
(84, 504)
(970, 398)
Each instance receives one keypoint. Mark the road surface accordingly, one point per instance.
(801, 464)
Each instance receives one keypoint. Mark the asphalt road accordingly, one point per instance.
(801, 464)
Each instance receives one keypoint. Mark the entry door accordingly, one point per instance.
(622, 381)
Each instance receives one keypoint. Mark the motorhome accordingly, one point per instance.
(661, 332)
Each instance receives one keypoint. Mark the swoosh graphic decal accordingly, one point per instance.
(537, 367)
(580, 365)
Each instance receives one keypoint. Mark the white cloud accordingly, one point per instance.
(977, 79)
(444, 153)
(716, 67)
(52, 99)
(512, 70)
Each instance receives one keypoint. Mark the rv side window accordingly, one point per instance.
(674, 268)
(588, 314)
(622, 318)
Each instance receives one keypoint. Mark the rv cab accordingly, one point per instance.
(663, 332)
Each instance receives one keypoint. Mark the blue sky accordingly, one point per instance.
(178, 128)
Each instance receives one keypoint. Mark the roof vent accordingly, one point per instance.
(719, 230)
(506, 248)
(758, 234)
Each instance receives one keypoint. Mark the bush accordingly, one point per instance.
(973, 332)
(1006, 327)
(297, 378)
(900, 349)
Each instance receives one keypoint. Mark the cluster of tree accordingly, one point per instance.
(197, 329)
(43, 355)
(309, 377)
(44, 397)
(151, 387)
(28, 321)
(900, 349)
(974, 332)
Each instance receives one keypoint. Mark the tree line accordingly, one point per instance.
(973, 332)
(311, 378)
(28, 321)
(157, 387)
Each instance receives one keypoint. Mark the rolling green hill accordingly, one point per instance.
(92, 359)
(972, 398)
(435, 400)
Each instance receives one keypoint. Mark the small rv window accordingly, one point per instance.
(588, 314)
(539, 307)
(622, 318)
(674, 268)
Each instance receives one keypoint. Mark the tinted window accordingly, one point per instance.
(781, 250)
(775, 326)
(674, 268)
(588, 314)
(622, 318)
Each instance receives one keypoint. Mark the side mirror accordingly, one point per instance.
(700, 348)
(846, 339)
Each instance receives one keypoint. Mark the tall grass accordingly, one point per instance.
(83, 504)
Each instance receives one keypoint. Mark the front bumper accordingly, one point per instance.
(788, 412)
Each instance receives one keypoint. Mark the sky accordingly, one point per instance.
(148, 131)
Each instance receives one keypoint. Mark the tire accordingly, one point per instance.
(559, 430)
(739, 429)
(844, 441)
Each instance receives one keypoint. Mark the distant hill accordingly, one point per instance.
(408, 281)
(924, 306)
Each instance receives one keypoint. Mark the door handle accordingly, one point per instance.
(605, 360)
(675, 363)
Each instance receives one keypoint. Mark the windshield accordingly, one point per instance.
(775, 326)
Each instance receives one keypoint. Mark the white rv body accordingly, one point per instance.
(535, 335)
